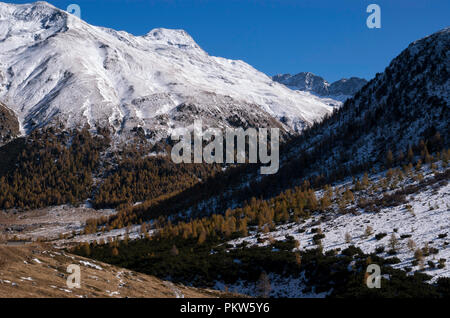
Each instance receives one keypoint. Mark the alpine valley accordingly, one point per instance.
(86, 115)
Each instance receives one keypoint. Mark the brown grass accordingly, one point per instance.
(37, 270)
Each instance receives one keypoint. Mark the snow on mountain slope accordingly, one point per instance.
(421, 221)
(54, 66)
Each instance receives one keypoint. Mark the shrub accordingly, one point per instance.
(392, 252)
(261, 240)
(434, 250)
(392, 260)
(318, 237)
(352, 250)
(379, 236)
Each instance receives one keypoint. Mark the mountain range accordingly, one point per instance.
(309, 82)
(406, 106)
(56, 68)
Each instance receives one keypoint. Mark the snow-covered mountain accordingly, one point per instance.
(304, 81)
(309, 82)
(55, 67)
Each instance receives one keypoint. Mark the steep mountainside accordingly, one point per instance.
(347, 87)
(405, 107)
(9, 125)
(55, 66)
(406, 103)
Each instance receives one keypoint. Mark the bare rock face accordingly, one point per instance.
(9, 125)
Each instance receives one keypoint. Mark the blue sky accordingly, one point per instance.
(328, 37)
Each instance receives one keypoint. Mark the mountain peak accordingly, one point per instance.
(310, 82)
(304, 81)
(177, 37)
(36, 20)
(29, 11)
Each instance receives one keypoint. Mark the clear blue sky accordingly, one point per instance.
(326, 37)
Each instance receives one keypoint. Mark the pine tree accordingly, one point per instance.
(348, 195)
(418, 255)
(86, 250)
(419, 165)
(393, 243)
(411, 244)
(202, 237)
(298, 259)
(389, 158)
(410, 155)
(174, 251)
(365, 180)
(369, 231)
(400, 156)
(325, 201)
(264, 286)
(115, 251)
(243, 227)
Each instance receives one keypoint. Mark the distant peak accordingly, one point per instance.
(33, 5)
(307, 81)
(43, 3)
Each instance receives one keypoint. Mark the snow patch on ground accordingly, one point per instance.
(431, 219)
(291, 287)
